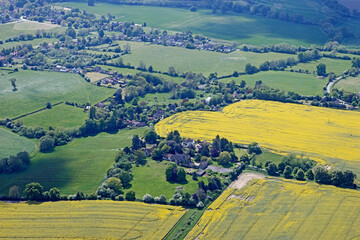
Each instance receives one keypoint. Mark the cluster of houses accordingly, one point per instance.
(113, 77)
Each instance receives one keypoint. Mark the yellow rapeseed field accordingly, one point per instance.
(320, 133)
(275, 209)
(87, 220)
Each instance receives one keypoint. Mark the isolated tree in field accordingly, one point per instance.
(47, 144)
(171, 173)
(127, 48)
(272, 169)
(288, 172)
(48, 105)
(300, 175)
(13, 83)
(91, 2)
(14, 192)
(130, 196)
(321, 69)
(101, 33)
(33, 191)
(136, 143)
(140, 157)
(181, 175)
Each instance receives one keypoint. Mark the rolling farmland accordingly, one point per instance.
(87, 220)
(11, 144)
(319, 133)
(275, 209)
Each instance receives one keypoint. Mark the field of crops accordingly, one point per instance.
(87, 220)
(234, 27)
(77, 166)
(11, 144)
(185, 60)
(35, 88)
(305, 84)
(272, 209)
(320, 133)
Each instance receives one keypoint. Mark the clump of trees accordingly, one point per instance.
(15, 163)
(175, 174)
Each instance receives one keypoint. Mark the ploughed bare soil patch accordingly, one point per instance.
(244, 179)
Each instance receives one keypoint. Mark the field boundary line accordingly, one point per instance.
(177, 223)
(36, 111)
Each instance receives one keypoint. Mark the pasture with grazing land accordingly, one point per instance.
(77, 166)
(305, 84)
(242, 28)
(58, 116)
(332, 65)
(204, 62)
(276, 209)
(11, 144)
(87, 220)
(350, 84)
(319, 133)
(36, 88)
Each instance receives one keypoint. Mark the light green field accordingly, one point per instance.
(35, 88)
(151, 179)
(77, 166)
(350, 84)
(58, 116)
(277, 209)
(95, 76)
(35, 42)
(234, 27)
(332, 65)
(11, 144)
(301, 83)
(185, 60)
(87, 220)
(14, 29)
(126, 71)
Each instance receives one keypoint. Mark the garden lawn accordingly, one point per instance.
(234, 27)
(11, 144)
(58, 116)
(305, 84)
(350, 84)
(151, 179)
(76, 167)
(35, 89)
(197, 61)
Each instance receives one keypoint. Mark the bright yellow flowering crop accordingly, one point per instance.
(273, 209)
(87, 220)
(320, 133)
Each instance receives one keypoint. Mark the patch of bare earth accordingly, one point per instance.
(244, 179)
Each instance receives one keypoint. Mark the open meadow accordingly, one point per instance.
(197, 61)
(336, 66)
(77, 166)
(151, 179)
(35, 89)
(276, 209)
(14, 29)
(305, 84)
(58, 116)
(233, 27)
(320, 133)
(11, 144)
(350, 84)
(87, 220)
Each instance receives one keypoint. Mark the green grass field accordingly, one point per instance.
(276, 209)
(185, 60)
(87, 220)
(14, 29)
(11, 144)
(234, 27)
(304, 84)
(150, 178)
(77, 166)
(35, 88)
(58, 116)
(35, 42)
(350, 84)
(332, 65)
